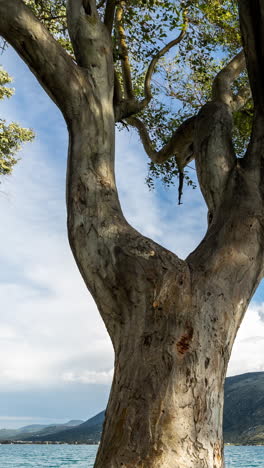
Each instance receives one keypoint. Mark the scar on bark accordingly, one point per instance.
(184, 343)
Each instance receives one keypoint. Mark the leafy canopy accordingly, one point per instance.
(11, 135)
(183, 77)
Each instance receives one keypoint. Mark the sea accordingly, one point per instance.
(83, 456)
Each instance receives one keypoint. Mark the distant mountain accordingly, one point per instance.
(244, 409)
(73, 422)
(34, 429)
(88, 432)
(8, 433)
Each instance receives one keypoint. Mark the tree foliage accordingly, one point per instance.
(182, 78)
(11, 135)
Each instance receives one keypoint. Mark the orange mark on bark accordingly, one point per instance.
(217, 454)
(184, 343)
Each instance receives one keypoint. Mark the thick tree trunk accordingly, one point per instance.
(165, 407)
(166, 404)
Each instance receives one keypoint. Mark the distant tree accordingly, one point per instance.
(11, 135)
(172, 322)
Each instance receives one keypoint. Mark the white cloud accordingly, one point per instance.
(48, 317)
(7, 333)
(90, 377)
(248, 349)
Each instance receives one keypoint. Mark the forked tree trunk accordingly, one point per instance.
(166, 402)
(172, 322)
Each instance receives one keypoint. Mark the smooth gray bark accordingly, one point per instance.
(172, 322)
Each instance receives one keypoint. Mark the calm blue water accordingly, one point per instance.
(47, 456)
(82, 456)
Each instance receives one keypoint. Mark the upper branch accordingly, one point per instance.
(92, 45)
(131, 106)
(109, 14)
(214, 151)
(155, 60)
(126, 69)
(83, 22)
(179, 145)
(51, 65)
(251, 15)
(252, 28)
(222, 84)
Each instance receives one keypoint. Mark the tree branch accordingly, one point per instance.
(109, 14)
(100, 4)
(83, 23)
(180, 144)
(241, 98)
(222, 91)
(49, 62)
(130, 106)
(214, 152)
(117, 90)
(155, 60)
(251, 14)
(126, 69)
(92, 45)
(251, 22)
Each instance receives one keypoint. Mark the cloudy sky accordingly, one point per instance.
(56, 358)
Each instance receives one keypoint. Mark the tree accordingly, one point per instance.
(172, 322)
(11, 135)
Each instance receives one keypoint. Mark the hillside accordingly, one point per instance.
(243, 416)
(36, 429)
(244, 409)
(88, 432)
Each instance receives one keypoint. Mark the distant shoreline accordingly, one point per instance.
(28, 442)
(46, 442)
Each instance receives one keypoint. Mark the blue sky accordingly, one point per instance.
(57, 360)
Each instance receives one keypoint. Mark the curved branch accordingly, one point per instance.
(126, 108)
(214, 152)
(50, 63)
(154, 61)
(130, 106)
(126, 69)
(251, 15)
(180, 144)
(222, 91)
